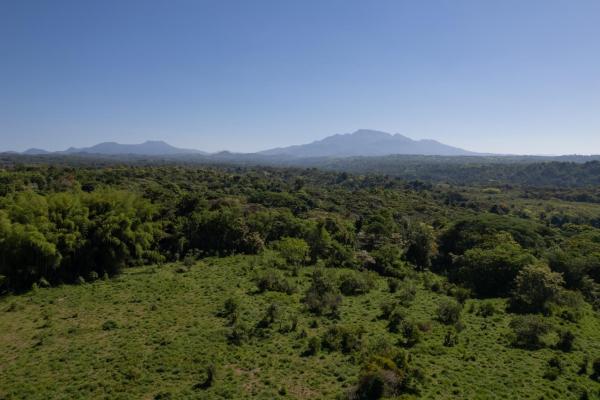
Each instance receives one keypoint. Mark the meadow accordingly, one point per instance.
(153, 332)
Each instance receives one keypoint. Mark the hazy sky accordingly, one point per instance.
(511, 76)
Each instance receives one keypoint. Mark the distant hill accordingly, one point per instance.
(366, 142)
(149, 148)
(35, 152)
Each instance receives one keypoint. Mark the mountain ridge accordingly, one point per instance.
(363, 142)
(149, 147)
(367, 142)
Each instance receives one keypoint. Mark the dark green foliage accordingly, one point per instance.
(211, 372)
(596, 369)
(387, 375)
(109, 325)
(486, 309)
(323, 296)
(490, 270)
(356, 283)
(406, 293)
(528, 331)
(230, 311)
(388, 261)
(448, 312)
(239, 334)
(221, 231)
(272, 314)
(480, 231)
(393, 284)
(451, 338)
(554, 368)
(395, 319)
(566, 340)
(319, 241)
(273, 280)
(422, 246)
(536, 286)
(410, 334)
(342, 338)
(314, 346)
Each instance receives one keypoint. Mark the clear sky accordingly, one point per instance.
(510, 76)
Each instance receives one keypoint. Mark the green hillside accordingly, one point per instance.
(189, 282)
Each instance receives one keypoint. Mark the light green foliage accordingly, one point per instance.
(169, 329)
(295, 251)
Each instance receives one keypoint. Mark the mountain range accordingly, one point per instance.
(363, 142)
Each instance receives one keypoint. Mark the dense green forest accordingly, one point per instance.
(133, 280)
(531, 171)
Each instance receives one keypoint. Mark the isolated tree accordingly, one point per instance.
(422, 246)
(490, 269)
(536, 286)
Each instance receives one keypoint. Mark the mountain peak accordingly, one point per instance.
(367, 142)
(147, 148)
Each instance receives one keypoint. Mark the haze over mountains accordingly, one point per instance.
(363, 142)
(366, 142)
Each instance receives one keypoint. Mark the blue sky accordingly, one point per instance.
(498, 76)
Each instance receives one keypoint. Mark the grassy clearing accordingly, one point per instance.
(153, 332)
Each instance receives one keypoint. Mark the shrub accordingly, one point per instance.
(461, 294)
(411, 335)
(528, 331)
(395, 319)
(342, 338)
(553, 369)
(536, 286)
(211, 372)
(388, 261)
(314, 346)
(407, 293)
(421, 246)
(272, 313)
(451, 338)
(583, 365)
(109, 325)
(387, 308)
(566, 340)
(448, 312)
(387, 375)
(296, 252)
(230, 310)
(356, 283)
(340, 256)
(274, 281)
(323, 296)
(596, 369)
(486, 309)
(239, 334)
(393, 284)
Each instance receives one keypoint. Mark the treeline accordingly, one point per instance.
(473, 171)
(65, 224)
(70, 236)
(525, 171)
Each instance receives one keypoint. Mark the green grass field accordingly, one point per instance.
(61, 343)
